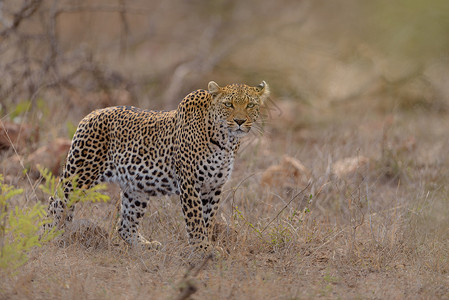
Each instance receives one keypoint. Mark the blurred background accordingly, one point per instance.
(87, 54)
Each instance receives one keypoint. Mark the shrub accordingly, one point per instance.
(78, 194)
(19, 228)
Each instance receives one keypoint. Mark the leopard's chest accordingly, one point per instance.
(215, 168)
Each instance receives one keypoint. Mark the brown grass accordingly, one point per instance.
(380, 234)
(377, 230)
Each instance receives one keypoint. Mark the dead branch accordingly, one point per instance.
(104, 8)
(187, 287)
(285, 206)
(28, 8)
(27, 74)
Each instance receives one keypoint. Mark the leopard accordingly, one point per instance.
(189, 152)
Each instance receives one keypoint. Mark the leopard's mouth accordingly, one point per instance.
(238, 130)
(241, 131)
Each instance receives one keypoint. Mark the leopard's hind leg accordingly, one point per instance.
(134, 206)
(85, 166)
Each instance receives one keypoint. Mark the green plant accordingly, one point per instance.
(19, 228)
(280, 235)
(42, 107)
(254, 228)
(20, 109)
(51, 187)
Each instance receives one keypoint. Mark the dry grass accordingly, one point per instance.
(376, 230)
(381, 233)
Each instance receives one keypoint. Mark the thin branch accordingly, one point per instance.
(103, 8)
(187, 286)
(124, 28)
(291, 200)
(28, 8)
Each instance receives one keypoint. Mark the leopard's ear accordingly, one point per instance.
(263, 90)
(213, 88)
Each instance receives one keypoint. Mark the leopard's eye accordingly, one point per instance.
(228, 104)
(250, 105)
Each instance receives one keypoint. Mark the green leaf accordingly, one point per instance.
(19, 230)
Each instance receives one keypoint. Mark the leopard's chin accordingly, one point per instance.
(240, 132)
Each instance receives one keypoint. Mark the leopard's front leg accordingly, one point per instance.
(210, 201)
(193, 214)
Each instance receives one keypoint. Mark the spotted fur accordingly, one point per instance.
(189, 151)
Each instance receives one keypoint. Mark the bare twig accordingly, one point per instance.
(187, 287)
(33, 187)
(286, 205)
(28, 8)
(27, 74)
(104, 8)
(124, 28)
(234, 190)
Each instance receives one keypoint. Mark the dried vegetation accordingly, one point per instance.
(340, 193)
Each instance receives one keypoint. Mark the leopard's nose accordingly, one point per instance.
(239, 121)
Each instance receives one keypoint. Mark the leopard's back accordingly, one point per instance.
(125, 145)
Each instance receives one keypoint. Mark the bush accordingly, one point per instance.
(78, 194)
(19, 228)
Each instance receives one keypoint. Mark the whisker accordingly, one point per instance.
(258, 129)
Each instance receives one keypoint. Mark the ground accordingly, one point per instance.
(380, 232)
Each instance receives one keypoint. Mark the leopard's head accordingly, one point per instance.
(238, 105)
